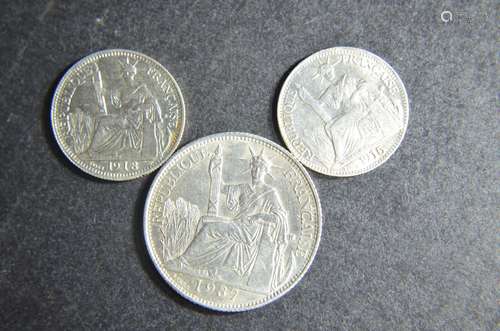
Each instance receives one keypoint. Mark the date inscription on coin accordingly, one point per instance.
(118, 114)
(343, 111)
(232, 221)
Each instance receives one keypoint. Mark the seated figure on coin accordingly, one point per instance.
(346, 109)
(249, 248)
(120, 127)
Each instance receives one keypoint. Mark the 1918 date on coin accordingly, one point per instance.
(118, 114)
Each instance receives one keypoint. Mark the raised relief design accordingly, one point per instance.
(116, 117)
(242, 240)
(178, 227)
(357, 114)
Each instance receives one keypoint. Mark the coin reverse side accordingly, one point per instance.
(343, 111)
(232, 221)
(118, 114)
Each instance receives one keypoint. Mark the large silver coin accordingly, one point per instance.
(343, 111)
(232, 221)
(118, 114)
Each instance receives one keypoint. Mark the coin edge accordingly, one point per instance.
(281, 292)
(56, 99)
(323, 170)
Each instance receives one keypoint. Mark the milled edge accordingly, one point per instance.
(324, 170)
(78, 162)
(180, 290)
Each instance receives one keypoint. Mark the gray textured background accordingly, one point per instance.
(410, 245)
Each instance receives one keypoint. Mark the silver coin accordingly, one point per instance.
(118, 114)
(343, 111)
(232, 221)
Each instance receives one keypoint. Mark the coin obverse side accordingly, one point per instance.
(232, 221)
(343, 111)
(118, 114)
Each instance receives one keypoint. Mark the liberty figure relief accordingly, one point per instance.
(355, 115)
(125, 119)
(243, 239)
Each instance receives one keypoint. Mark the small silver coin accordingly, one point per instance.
(343, 111)
(232, 221)
(118, 114)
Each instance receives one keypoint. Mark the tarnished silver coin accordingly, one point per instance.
(343, 111)
(232, 221)
(118, 114)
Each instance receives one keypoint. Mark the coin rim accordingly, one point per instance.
(324, 170)
(80, 163)
(153, 188)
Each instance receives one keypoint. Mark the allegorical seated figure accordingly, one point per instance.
(120, 127)
(248, 248)
(345, 107)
